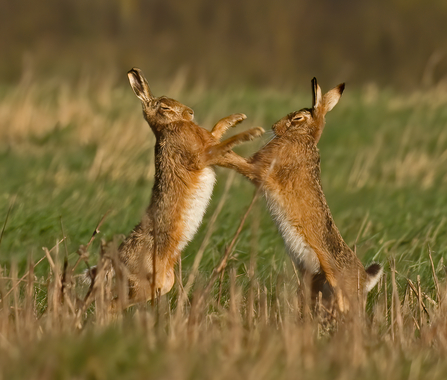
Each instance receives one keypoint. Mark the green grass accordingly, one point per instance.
(69, 155)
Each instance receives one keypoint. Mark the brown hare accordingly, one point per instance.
(287, 170)
(184, 180)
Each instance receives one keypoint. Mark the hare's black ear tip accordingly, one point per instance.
(133, 71)
(342, 88)
(314, 81)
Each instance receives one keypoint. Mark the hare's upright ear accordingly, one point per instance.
(322, 105)
(331, 98)
(316, 94)
(139, 85)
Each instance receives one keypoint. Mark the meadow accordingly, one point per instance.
(75, 154)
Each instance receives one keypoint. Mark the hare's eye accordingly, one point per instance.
(164, 107)
(297, 118)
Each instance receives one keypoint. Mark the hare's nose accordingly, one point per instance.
(189, 113)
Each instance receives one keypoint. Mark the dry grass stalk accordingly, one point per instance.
(200, 297)
(396, 313)
(435, 277)
(83, 250)
(224, 260)
(418, 293)
(6, 220)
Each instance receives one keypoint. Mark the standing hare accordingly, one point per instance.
(287, 170)
(184, 180)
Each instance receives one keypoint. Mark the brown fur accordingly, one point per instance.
(183, 178)
(287, 170)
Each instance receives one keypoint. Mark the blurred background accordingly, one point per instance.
(394, 43)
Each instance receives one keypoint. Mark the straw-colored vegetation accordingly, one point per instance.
(72, 153)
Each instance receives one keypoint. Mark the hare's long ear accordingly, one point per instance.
(331, 98)
(316, 94)
(322, 105)
(139, 85)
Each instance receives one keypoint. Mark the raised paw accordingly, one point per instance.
(214, 153)
(227, 122)
(256, 132)
(249, 135)
(240, 138)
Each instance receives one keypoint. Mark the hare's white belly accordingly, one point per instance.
(299, 251)
(197, 203)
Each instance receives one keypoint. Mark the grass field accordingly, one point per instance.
(71, 153)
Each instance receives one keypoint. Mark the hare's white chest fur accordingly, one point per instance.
(197, 203)
(299, 251)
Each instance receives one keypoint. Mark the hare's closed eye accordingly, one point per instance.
(300, 116)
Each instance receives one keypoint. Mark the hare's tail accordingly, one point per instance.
(373, 272)
(88, 275)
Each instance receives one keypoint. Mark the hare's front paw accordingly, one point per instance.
(256, 132)
(227, 122)
(235, 119)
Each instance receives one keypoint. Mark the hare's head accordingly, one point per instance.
(310, 120)
(158, 112)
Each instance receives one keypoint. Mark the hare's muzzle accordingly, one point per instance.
(188, 114)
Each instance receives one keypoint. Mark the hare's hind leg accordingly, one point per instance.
(141, 287)
(330, 295)
(167, 282)
(227, 122)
